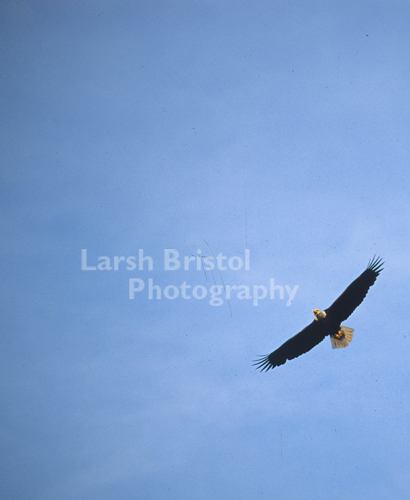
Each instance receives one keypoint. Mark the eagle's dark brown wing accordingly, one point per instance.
(354, 294)
(302, 342)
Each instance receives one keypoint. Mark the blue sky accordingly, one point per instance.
(209, 128)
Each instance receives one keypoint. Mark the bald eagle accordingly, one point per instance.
(327, 322)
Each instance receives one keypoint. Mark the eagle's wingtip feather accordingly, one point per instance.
(375, 264)
(263, 364)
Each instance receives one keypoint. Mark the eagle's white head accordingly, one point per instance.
(319, 314)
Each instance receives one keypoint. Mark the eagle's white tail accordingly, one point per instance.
(344, 339)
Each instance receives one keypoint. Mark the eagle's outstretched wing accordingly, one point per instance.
(302, 342)
(354, 294)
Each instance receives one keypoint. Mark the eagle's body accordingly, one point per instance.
(327, 322)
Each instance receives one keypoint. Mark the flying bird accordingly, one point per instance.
(327, 322)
